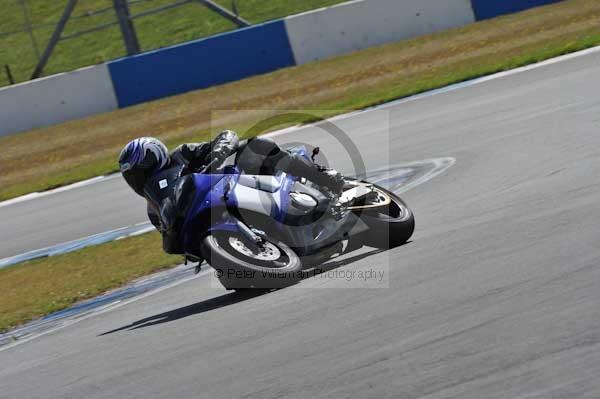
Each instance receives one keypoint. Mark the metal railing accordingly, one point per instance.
(123, 18)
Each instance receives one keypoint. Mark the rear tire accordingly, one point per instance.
(389, 226)
(240, 268)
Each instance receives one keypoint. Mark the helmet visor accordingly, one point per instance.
(136, 178)
(136, 174)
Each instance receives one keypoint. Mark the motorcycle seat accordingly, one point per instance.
(260, 182)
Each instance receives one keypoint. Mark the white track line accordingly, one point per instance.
(75, 245)
(446, 89)
(32, 196)
(393, 103)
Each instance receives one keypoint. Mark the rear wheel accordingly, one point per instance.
(239, 266)
(390, 225)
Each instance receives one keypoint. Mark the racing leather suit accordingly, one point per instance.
(253, 156)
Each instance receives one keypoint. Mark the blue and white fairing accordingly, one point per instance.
(210, 196)
(218, 196)
(220, 200)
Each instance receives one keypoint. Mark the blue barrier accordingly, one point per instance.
(202, 63)
(485, 9)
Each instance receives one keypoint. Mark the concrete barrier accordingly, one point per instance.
(485, 9)
(365, 23)
(201, 63)
(55, 99)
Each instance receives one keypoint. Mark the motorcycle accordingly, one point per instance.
(262, 231)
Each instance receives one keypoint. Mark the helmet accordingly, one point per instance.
(140, 159)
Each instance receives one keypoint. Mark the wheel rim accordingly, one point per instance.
(269, 252)
(382, 198)
(393, 209)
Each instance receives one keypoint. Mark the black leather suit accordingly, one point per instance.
(167, 208)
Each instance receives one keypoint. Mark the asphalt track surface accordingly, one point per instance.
(496, 296)
(68, 215)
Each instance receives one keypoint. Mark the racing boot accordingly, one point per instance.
(331, 179)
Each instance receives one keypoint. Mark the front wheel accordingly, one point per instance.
(238, 266)
(390, 225)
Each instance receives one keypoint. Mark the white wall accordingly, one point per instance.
(364, 23)
(55, 99)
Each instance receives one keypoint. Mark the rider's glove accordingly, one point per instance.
(333, 180)
(225, 144)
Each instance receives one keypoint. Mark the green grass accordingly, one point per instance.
(47, 285)
(188, 22)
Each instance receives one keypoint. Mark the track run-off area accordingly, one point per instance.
(496, 295)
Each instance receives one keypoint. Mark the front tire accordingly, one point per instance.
(239, 267)
(390, 225)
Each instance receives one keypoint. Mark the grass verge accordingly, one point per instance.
(88, 147)
(42, 286)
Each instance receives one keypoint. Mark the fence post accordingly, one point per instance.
(127, 29)
(222, 11)
(54, 39)
(9, 75)
(29, 28)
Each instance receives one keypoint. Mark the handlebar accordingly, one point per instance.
(211, 165)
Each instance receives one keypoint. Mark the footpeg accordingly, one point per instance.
(193, 259)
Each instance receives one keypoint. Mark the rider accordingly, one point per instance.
(145, 162)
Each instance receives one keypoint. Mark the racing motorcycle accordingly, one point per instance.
(262, 231)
